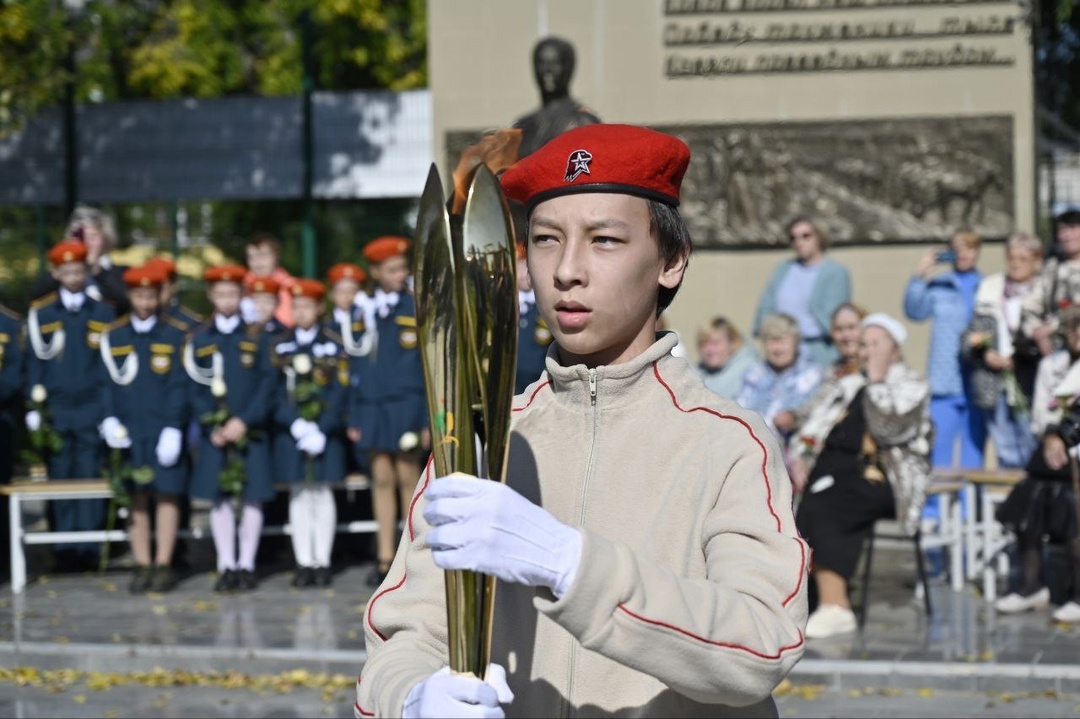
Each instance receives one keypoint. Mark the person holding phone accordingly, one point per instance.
(947, 299)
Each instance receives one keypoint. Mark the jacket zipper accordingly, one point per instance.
(581, 521)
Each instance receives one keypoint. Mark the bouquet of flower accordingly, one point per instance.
(305, 395)
(1014, 395)
(233, 475)
(44, 440)
(119, 473)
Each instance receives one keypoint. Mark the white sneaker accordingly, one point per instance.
(830, 620)
(1014, 603)
(1068, 613)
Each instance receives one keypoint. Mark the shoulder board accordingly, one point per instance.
(333, 335)
(201, 327)
(405, 321)
(179, 324)
(9, 313)
(119, 322)
(193, 315)
(45, 301)
(97, 325)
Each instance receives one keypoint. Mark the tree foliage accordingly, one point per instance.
(136, 49)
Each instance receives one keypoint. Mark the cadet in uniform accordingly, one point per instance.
(170, 301)
(144, 406)
(533, 335)
(309, 451)
(230, 362)
(263, 294)
(12, 374)
(388, 410)
(64, 330)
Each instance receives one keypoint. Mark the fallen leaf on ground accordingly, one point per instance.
(925, 693)
(79, 698)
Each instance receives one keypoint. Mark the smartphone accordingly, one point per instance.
(946, 257)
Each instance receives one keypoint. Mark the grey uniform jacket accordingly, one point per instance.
(690, 599)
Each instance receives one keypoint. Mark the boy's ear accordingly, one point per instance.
(55, 272)
(672, 273)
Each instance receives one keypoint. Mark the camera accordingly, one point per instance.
(1069, 426)
(946, 257)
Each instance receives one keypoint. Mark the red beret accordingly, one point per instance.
(312, 289)
(623, 159)
(225, 273)
(163, 266)
(145, 276)
(67, 251)
(383, 248)
(345, 271)
(267, 285)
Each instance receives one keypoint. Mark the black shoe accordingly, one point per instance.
(305, 577)
(377, 575)
(164, 579)
(226, 581)
(141, 580)
(245, 580)
(323, 575)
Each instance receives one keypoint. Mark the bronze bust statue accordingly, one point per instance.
(553, 64)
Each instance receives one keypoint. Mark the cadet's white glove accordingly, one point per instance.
(115, 434)
(168, 446)
(455, 695)
(301, 427)
(487, 527)
(313, 443)
(33, 420)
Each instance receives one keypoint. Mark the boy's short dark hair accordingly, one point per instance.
(262, 239)
(1070, 216)
(673, 237)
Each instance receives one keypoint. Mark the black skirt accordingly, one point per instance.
(840, 506)
(1041, 508)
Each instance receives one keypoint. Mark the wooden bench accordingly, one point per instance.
(23, 490)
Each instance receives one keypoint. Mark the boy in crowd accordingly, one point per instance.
(64, 329)
(691, 603)
(263, 294)
(230, 363)
(264, 260)
(170, 289)
(309, 437)
(143, 400)
(388, 410)
(534, 335)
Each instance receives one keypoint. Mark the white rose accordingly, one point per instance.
(302, 364)
(38, 393)
(120, 432)
(409, 441)
(217, 387)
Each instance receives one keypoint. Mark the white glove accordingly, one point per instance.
(457, 695)
(168, 447)
(33, 420)
(487, 527)
(115, 434)
(313, 443)
(301, 427)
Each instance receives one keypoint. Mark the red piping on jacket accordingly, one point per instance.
(528, 404)
(412, 536)
(772, 511)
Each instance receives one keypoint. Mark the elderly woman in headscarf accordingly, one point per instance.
(864, 451)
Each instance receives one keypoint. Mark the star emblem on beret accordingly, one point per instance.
(578, 165)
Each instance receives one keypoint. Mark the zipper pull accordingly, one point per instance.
(592, 385)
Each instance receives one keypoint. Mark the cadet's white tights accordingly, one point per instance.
(223, 527)
(313, 522)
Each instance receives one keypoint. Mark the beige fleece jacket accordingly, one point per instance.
(690, 599)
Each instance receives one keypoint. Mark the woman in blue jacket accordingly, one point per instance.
(808, 287)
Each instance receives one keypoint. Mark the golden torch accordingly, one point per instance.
(467, 314)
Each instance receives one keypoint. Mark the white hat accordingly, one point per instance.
(895, 329)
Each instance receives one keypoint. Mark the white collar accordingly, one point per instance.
(226, 325)
(306, 337)
(342, 317)
(143, 326)
(73, 301)
(104, 262)
(385, 302)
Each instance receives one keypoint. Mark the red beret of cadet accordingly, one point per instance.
(67, 251)
(145, 276)
(312, 289)
(225, 273)
(345, 271)
(623, 159)
(163, 266)
(267, 285)
(383, 248)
